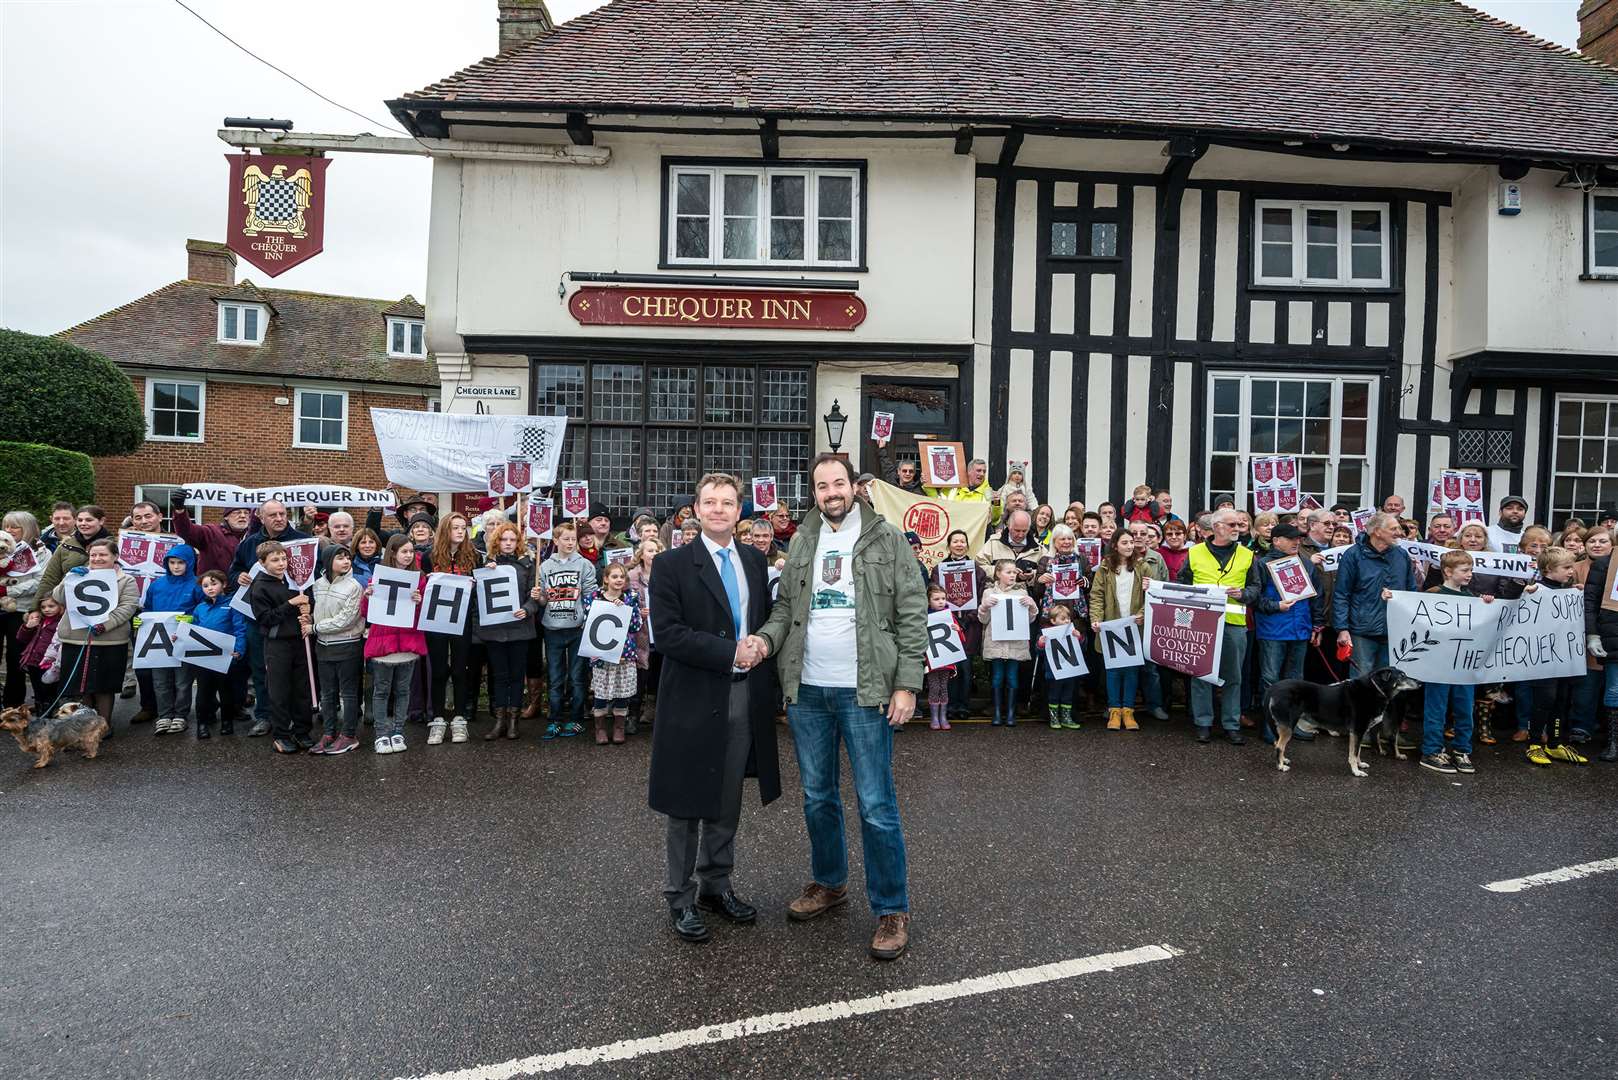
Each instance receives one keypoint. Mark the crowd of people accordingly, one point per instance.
(300, 646)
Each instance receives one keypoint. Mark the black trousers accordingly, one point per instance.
(216, 693)
(16, 689)
(1553, 705)
(448, 655)
(286, 669)
(508, 666)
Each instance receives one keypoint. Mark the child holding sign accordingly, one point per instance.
(612, 685)
(280, 611)
(1004, 656)
(1552, 698)
(1058, 692)
(176, 590)
(392, 652)
(216, 691)
(938, 679)
(94, 656)
(507, 643)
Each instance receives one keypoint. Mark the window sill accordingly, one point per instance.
(320, 446)
(1086, 258)
(1599, 277)
(242, 344)
(193, 440)
(776, 267)
(406, 356)
(1326, 290)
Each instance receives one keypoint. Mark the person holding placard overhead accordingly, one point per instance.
(715, 707)
(93, 658)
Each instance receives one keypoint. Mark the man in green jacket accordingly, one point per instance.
(849, 633)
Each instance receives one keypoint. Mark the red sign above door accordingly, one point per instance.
(277, 215)
(742, 309)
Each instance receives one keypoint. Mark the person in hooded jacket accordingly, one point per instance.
(339, 644)
(216, 690)
(215, 544)
(177, 590)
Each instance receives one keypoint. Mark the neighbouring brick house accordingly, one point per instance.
(255, 386)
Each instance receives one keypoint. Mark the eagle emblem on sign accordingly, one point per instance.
(276, 202)
(1183, 616)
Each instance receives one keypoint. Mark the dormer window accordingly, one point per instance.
(407, 338)
(242, 324)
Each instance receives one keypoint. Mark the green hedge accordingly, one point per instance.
(34, 477)
(55, 393)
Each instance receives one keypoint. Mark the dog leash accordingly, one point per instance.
(1329, 669)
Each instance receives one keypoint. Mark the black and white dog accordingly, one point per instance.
(1355, 705)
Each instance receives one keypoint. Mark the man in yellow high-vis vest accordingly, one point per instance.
(1222, 560)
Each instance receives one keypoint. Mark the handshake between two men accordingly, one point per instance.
(751, 651)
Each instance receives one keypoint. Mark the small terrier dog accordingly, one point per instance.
(73, 725)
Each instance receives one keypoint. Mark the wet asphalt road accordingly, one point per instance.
(210, 910)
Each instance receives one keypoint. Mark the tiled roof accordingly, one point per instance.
(311, 336)
(1422, 73)
(408, 308)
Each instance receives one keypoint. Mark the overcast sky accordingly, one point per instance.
(109, 162)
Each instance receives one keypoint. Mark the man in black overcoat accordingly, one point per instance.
(716, 705)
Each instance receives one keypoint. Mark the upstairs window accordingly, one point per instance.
(1603, 240)
(321, 420)
(789, 215)
(1326, 244)
(174, 410)
(407, 338)
(242, 324)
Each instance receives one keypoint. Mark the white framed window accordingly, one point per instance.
(1584, 458)
(166, 497)
(1328, 422)
(174, 410)
(1602, 243)
(242, 324)
(407, 338)
(1308, 243)
(320, 419)
(763, 216)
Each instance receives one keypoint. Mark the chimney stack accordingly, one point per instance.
(210, 262)
(522, 21)
(1598, 30)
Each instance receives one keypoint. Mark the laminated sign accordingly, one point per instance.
(1185, 627)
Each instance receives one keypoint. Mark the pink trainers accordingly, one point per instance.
(341, 745)
(323, 746)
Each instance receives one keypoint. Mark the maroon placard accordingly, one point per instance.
(277, 213)
(1183, 638)
(751, 309)
(497, 480)
(519, 475)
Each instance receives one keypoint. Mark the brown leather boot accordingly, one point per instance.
(530, 710)
(618, 727)
(601, 729)
(891, 938)
(499, 724)
(816, 901)
(1129, 720)
(511, 722)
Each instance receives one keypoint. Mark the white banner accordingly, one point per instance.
(1121, 643)
(1499, 563)
(205, 648)
(391, 603)
(1330, 557)
(606, 630)
(1009, 621)
(157, 641)
(446, 603)
(239, 601)
(1462, 640)
(431, 451)
(497, 597)
(90, 597)
(1064, 655)
(944, 643)
(229, 495)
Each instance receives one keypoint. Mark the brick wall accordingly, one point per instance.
(248, 441)
(1598, 30)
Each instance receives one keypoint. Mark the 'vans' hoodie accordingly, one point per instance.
(175, 592)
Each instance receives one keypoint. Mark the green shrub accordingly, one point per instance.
(34, 477)
(55, 393)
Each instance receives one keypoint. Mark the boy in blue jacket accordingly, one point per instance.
(178, 591)
(216, 690)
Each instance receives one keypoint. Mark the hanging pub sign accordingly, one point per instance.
(745, 309)
(277, 209)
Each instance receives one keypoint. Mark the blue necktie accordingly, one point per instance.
(733, 589)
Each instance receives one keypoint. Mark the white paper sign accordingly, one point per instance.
(446, 603)
(606, 630)
(622, 556)
(440, 451)
(497, 597)
(390, 603)
(239, 601)
(764, 499)
(156, 641)
(944, 643)
(1121, 643)
(90, 597)
(1498, 563)
(576, 499)
(1330, 557)
(205, 648)
(881, 426)
(773, 575)
(230, 495)
(1462, 640)
(1009, 619)
(1064, 655)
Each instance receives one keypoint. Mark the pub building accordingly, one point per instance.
(1120, 241)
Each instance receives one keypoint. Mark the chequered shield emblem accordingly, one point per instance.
(277, 201)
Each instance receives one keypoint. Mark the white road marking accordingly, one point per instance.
(814, 1014)
(1553, 877)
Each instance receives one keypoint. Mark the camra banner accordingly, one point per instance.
(1462, 640)
(931, 519)
(1185, 628)
(430, 451)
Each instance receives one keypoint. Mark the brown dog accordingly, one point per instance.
(73, 725)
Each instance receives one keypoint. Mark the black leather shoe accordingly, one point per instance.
(1204, 734)
(202, 731)
(689, 925)
(1236, 738)
(730, 906)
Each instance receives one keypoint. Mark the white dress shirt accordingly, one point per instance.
(741, 580)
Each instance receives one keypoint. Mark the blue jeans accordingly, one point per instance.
(1151, 686)
(564, 667)
(821, 717)
(1121, 686)
(1277, 660)
(1369, 654)
(1609, 695)
(1522, 693)
(1441, 701)
(1232, 664)
(1585, 702)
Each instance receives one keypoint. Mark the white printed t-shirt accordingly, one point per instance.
(829, 654)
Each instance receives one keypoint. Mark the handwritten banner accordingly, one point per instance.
(1462, 640)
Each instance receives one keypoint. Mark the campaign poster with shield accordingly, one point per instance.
(1286, 469)
(1452, 485)
(764, 493)
(134, 550)
(1286, 499)
(303, 557)
(1291, 579)
(575, 498)
(497, 480)
(539, 519)
(1264, 499)
(1067, 578)
(942, 463)
(960, 581)
(881, 426)
(1472, 486)
(1263, 471)
(22, 563)
(1090, 548)
(519, 475)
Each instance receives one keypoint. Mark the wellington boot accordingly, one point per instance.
(499, 725)
(1115, 719)
(601, 729)
(536, 699)
(1054, 714)
(1129, 720)
(511, 722)
(618, 727)
(1611, 751)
